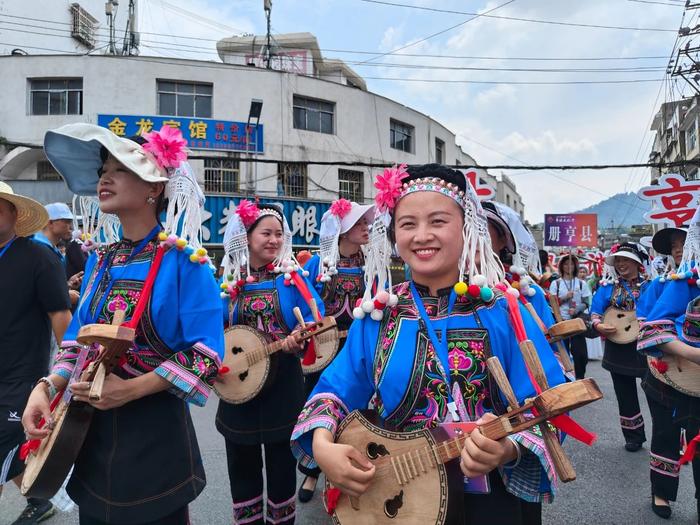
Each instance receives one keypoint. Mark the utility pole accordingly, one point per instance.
(686, 63)
(130, 45)
(110, 11)
(267, 6)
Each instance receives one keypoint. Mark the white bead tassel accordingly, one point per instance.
(329, 255)
(691, 248)
(286, 254)
(185, 205)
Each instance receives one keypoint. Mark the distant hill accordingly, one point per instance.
(619, 211)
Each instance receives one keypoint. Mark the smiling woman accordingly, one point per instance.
(428, 233)
(140, 460)
(420, 355)
(259, 298)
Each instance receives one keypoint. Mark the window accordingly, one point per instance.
(313, 115)
(691, 138)
(291, 179)
(45, 171)
(439, 151)
(83, 25)
(351, 185)
(221, 175)
(184, 99)
(401, 136)
(56, 96)
(507, 200)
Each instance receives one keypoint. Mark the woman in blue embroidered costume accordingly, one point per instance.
(621, 290)
(669, 325)
(258, 292)
(140, 462)
(338, 276)
(441, 232)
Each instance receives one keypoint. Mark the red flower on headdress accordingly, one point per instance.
(167, 146)
(388, 186)
(248, 212)
(614, 248)
(341, 208)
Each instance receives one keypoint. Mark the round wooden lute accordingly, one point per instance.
(247, 357)
(625, 323)
(47, 467)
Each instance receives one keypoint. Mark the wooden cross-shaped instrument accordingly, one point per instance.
(562, 464)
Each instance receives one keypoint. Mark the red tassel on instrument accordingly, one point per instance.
(690, 450)
(310, 354)
(332, 497)
(33, 444)
(28, 447)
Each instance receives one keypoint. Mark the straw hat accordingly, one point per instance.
(31, 216)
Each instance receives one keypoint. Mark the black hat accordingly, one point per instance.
(661, 242)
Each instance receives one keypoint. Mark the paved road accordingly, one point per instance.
(612, 485)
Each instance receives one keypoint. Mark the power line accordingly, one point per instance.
(519, 19)
(390, 65)
(516, 82)
(658, 3)
(410, 44)
(535, 167)
(352, 51)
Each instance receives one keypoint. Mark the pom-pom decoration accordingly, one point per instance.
(461, 288)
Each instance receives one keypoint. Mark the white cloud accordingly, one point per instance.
(544, 124)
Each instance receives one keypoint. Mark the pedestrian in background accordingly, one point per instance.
(35, 304)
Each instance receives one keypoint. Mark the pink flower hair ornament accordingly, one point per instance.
(248, 212)
(389, 185)
(167, 146)
(341, 208)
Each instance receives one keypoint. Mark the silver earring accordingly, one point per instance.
(150, 200)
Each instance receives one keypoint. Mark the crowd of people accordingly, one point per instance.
(415, 352)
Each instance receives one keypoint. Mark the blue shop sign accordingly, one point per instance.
(200, 133)
(304, 218)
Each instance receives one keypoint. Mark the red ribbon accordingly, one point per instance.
(33, 444)
(563, 422)
(310, 354)
(332, 497)
(690, 450)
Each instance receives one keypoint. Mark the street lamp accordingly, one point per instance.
(253, 114)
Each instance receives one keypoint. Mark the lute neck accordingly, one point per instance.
(499, 428)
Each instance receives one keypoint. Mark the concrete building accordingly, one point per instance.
(676, 137)
(251, 129)
(507, 193)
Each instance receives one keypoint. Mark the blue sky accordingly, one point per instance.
(498, 123)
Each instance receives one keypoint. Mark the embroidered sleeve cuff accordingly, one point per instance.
(323, 410)
(532, 478)
(191, 372)
(655, 333)
(66, 357)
